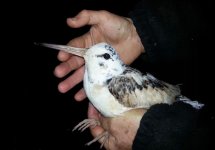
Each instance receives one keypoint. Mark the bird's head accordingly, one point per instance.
(102, 62)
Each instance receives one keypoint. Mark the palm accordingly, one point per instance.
(121, 129)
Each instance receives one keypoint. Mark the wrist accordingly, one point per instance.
(136, 38)
(131, 45)
(165, 125)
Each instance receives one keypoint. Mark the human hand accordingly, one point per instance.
(105, 27)
(121, 130)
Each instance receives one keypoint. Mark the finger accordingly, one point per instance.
(84, 41)
(92, 112)
(85, 17)
(64, 68)
(63, 56)
(98, 130)
(81, 95)
(78, 42)
(71, 81)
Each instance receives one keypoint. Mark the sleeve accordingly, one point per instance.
(171, 127)
(168, 29)
(172, 31)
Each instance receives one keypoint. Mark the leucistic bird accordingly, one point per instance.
(114, 88)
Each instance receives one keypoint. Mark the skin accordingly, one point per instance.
(122, 129)
(122, 35)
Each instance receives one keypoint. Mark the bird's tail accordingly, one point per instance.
(194, 104)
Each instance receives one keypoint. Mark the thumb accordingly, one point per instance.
(97, 130)
(92, 112)
(85, 17)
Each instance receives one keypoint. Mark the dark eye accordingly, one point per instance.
(106, 56)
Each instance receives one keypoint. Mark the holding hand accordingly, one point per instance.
(121, 130)
(105, 27)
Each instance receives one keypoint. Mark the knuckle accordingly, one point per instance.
(84, 12)
(103, 12)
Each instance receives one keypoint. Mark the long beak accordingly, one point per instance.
(73, 50)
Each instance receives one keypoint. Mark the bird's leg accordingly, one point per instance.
(92, 122)
(104, 135)
(86, 123)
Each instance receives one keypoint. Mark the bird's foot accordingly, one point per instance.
(92, 122)
(104, 135)
(86, 123)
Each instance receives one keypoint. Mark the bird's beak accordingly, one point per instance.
(72, 50)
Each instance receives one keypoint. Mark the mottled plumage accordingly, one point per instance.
(133, 89)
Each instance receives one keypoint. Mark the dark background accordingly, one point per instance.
(38, 117)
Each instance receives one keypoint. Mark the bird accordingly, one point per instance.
(114, 87)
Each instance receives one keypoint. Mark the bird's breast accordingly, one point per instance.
(102, 99)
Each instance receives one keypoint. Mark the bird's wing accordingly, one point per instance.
(133, 89)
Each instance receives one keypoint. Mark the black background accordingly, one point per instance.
(38, 117)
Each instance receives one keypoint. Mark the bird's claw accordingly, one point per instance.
(104, 135)
(86, 123)
(92, 122)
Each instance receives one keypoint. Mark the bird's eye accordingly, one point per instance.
(106, 56)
